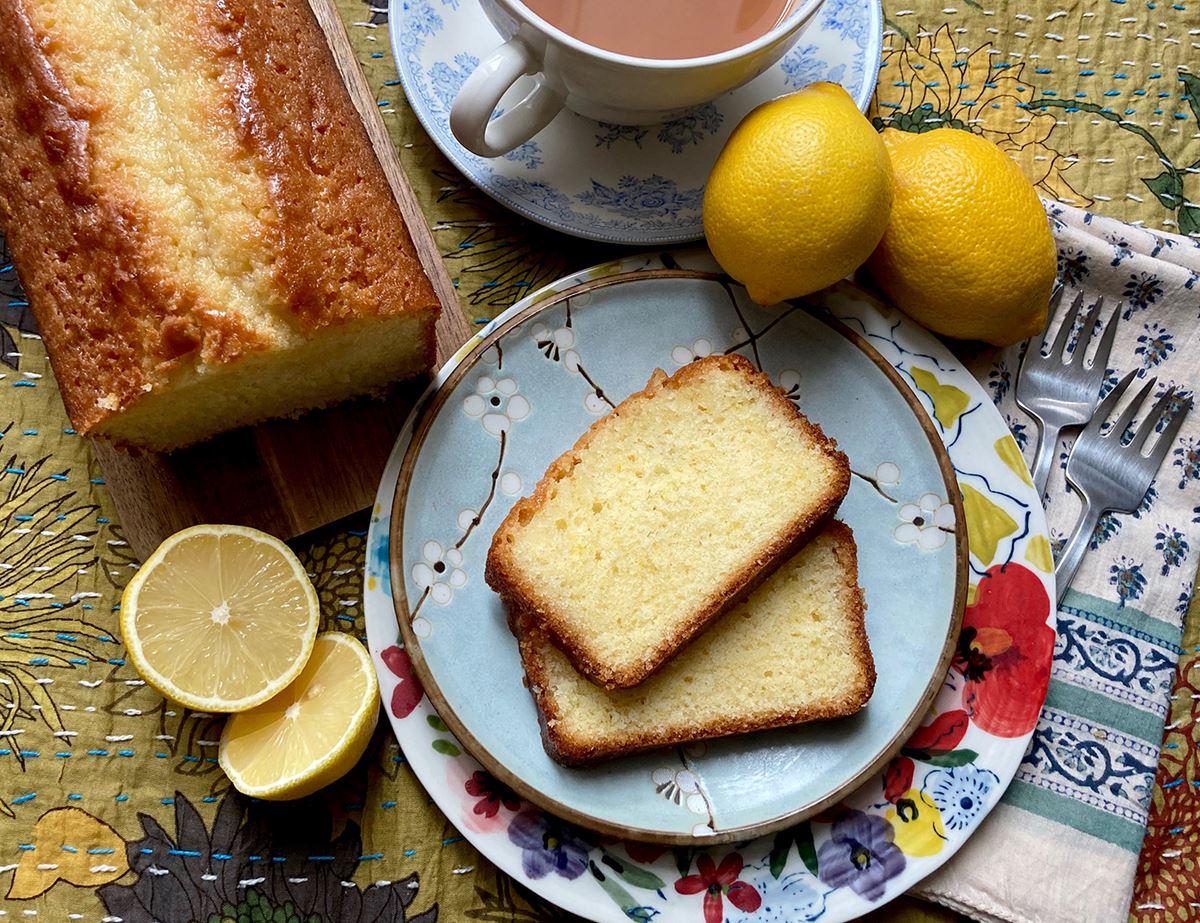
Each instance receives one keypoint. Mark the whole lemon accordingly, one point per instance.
(800, 195)
(968, 251)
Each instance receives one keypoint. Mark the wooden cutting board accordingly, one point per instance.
(289, 476)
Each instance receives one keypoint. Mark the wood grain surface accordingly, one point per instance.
(288, 477)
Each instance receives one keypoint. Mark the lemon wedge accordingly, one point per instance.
(313, 732)
(220, 618)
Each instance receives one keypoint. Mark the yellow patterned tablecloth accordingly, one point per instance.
(1097, 102)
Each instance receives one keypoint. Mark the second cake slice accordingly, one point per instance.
(663, 514)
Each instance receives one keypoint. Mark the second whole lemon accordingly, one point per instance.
(968, 251)
(800, 195)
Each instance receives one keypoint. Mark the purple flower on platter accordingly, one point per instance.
(548, 845)
(860, 853)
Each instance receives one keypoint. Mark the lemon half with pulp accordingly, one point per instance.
(220, 618)
(313, 732)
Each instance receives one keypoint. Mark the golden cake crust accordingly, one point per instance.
(522, 597)
(117, 324)
(577, 750)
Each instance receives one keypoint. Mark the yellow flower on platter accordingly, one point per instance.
(918, 824)
(928, 84)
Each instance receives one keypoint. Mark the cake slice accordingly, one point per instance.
(664, 513)
(796, 650)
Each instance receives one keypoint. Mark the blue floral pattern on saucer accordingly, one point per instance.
(626, 184)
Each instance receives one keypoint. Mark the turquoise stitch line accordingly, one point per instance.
(117, 661)
(24, 798)
(14, 470)
(70, 849)
(25, 846)
(409, 852)
(17, 634)
(1175, 830)
(317, 859)
(97, 753)
(66, 637)
(121, 798)
(38, 661)
(31, 754)
(282, 858)
(374, 855)
(74, 796)
(389, 804)
(209, 799)
(183, 852)
(58, 477)
(99, 851)
(24, 384)
(124, 753)
(1174, 784)
(63, 754)
(23, 518)
(451, 839)
(221, 856)
(97, 481)
(168, 800)
(29, 432)
(1171, 746)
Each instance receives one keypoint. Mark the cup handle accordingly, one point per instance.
(471, 115)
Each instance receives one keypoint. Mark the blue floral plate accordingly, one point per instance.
(906, 817)
(615, 183)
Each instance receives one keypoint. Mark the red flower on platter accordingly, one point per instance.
(1004, 651)
(645, 853)
(491, 794)
(718, 881)
(945, 732)
(408, 691)
(898, 778)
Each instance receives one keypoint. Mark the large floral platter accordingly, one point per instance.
(907, 818)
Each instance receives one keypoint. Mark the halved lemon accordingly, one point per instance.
(220, 618)
(313, 732)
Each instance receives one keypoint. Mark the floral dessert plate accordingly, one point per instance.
(904, 818)
(634, 185)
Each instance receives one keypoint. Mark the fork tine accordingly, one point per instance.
(1068, 324)
(1109, 404)
(1035, 342)
(1151, 419)
(1085, 333)
(1123, 421)
(1167, 437)
(1100, 360)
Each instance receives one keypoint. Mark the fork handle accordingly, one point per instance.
(1076, 547)
(1043, 457)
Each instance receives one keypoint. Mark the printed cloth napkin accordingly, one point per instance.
(1063, 844)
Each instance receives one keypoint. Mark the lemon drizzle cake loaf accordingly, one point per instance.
(796, 650)
(202, 227)
(664, 513)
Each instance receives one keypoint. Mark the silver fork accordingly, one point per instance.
(1058, 390)
(1112, 476)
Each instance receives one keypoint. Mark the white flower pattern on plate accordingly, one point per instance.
(557, 345)
(923, 523)
(698, 350)
(497, 403)
(440, 572)
(680, 786)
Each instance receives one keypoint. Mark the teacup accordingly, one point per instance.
(604, 85)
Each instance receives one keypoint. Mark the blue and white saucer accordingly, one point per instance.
(632, 185)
